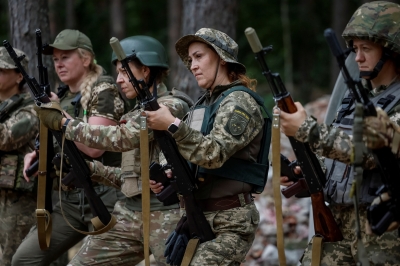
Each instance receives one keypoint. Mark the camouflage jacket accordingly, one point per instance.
(332, 142)
(20, 128)
(213, 150)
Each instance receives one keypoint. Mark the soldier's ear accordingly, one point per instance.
(223, 62)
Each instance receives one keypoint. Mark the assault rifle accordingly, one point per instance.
(79, 169)
(313, 176)
(382, 215)
(45, 87)
(198, 225)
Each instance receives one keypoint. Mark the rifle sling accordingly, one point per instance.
(98, 226)
(43, 216)
(190, 251)
(145, 174)
(316, 250)
(276, 173)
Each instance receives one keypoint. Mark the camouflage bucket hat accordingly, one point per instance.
(377, 21)
(70, 40)
(6, 61)
(224, 45)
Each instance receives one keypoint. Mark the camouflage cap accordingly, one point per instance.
(224, 45)
(70, 40)
(377, 21)
(6, 61)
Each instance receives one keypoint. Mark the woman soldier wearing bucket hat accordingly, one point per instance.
(18, 129)
(221, 137)
(91, 96)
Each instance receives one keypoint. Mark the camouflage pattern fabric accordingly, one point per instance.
(123, 244)
(76, 209)
(212, 150)
(74, 203)
(6, 61)
(125, 136)
(376, 21)
(379, 130)
(234, 230)
(101, 105)
(383, 250)
(17, 215)
(17, 208)
(224, 45)
(19, 129)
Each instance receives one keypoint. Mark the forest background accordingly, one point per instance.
(293, 27)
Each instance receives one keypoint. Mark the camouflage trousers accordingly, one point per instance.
(234, 231)
(123, 244)
(76, 210)
(383, 250)
(17, 215)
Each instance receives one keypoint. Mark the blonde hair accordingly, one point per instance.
(95, 72)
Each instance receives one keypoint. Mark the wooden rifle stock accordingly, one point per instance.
(313, 176)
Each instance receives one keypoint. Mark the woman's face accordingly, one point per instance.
(9, 79)
(123, 79)
(204, 62)
(71, 68)
(367, 54)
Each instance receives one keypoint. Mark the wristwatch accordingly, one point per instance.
(174, 126)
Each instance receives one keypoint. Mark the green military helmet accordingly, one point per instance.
(146, 49)
(377, 21)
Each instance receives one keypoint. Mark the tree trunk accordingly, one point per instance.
(287, 44)
(118, 19)
(25, 17)
(221, 15)
(70, 18)
(174, 33)
(340, 16)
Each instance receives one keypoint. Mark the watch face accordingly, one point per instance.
(172, 128)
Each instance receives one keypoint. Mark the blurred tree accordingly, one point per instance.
(221, 15)
(25, 17)
(174, 33)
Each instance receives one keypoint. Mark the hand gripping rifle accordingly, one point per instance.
(313, 176)
(382, 215)
(79, 174)
(198, 225)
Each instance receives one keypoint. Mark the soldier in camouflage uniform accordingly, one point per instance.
(18, 129)
(372, 32)
(125, 241)
(221, 138)
(90, 96)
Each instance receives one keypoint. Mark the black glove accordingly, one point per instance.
(177, 242)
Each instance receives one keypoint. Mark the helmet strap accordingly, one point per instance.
(378, 67)
(153, 81)
(216, 73)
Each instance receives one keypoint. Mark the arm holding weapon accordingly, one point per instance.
(313, 176)
(199, 227)
(102, 218)
(382, 214)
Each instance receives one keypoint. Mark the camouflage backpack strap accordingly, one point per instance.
(183, 96)
(9, 105)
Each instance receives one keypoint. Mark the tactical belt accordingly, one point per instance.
(224, 203)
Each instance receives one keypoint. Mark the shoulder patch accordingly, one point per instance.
(238, 122)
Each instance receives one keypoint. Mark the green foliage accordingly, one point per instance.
(308, 19)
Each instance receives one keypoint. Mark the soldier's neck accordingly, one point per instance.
(4, 95)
